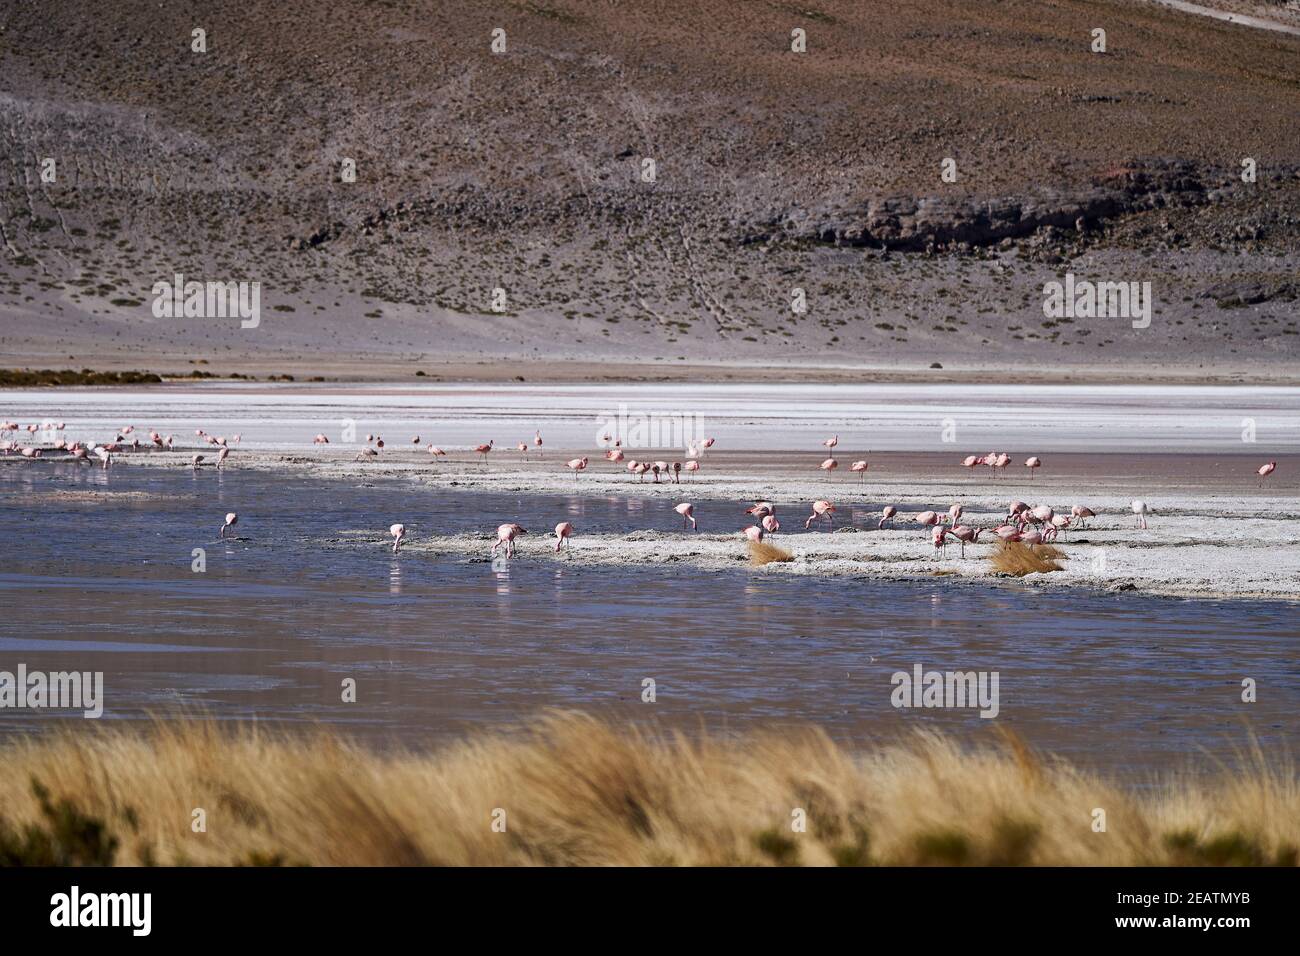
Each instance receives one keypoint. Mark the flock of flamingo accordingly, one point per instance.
(1024, 523)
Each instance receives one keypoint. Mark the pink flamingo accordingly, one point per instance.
(562, 531)
(687, 511)
(435, 451)
(1059, 523)
(506, 535)
(829, 465)
(1081, 513)
(927, 518)
(615, 455)
(692, 467)
(1007, 532)
(1265, 470)
(231, 519)
(1141, 509)
(832, 441)
(484, 449)
(221, 456)
(885, 515)
(195, 462)
(523, 450)
(1015, 508)
(861, 468)
(677, 473)
(821, 509)
(970, 461)
(761, 509)
(577, 464)
(1002, 461)
(770, 524)
(940, 537)
(753, 533)
(537, 440)
(953, 514)
(1033, 464)
(965, 533)
(398, 531)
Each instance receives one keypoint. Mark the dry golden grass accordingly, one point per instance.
(576, 791)
(760, 553)
(1012, 557)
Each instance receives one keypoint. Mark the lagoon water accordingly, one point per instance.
(95, 575)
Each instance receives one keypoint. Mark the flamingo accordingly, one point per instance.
(231, 519)
(832, 441)
(970, 461)
(195, 462)
(435, 451)
(953, 514)
(562, 531)
(615, 455)
(940, 537)
(221, 456)
(687, 511)
(523, 450)
(677, 473)
(1081, 513)
(1141, 509)
(1002, 461)
(1033, 464)
(398, 531)
(821, 509)
(965, 533)
(1031, 537)
(506, 535)
(1059, 523)
(366, 452)
(761, 509)
(770, 524)
(829, 465)
(1042, 513)
(484, 449)
(692, 466)
(1015, 508)
(537, 440)
(861, 468)
(1265, 470)
(753, 533)
(927, 518)
(577, 464)
(1007, 532)
(885, 515)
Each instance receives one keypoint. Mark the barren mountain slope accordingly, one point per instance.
(774, 171)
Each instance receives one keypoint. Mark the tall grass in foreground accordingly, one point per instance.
(1014, 558)
(576, 791)
(761, 553)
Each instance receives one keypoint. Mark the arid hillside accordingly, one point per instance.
(526, 171)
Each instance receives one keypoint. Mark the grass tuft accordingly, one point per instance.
(1016, 559)
(761, 553)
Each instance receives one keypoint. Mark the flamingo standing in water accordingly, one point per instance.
(615, 455)
(523, 450)
(832, 441)
(1033, 464)
(821, 509)
(1141, 509)
(829, 465)
(861, 468)
(435, 451)
(753, 533)
(506, 535)
(562, 531)
(885, 515)
(940, 537)
(537, 440)
(761, 509)
(221, 456)
(484, 449)
(953, 514)
(195, 462)
(231, 518)
(1265, 470)
(692, 467)
(687, 511)
(770, 524)
(970, 461)
(577, 464)
(1081, 513)
(398, 531)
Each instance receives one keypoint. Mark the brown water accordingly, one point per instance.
(95, 575)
